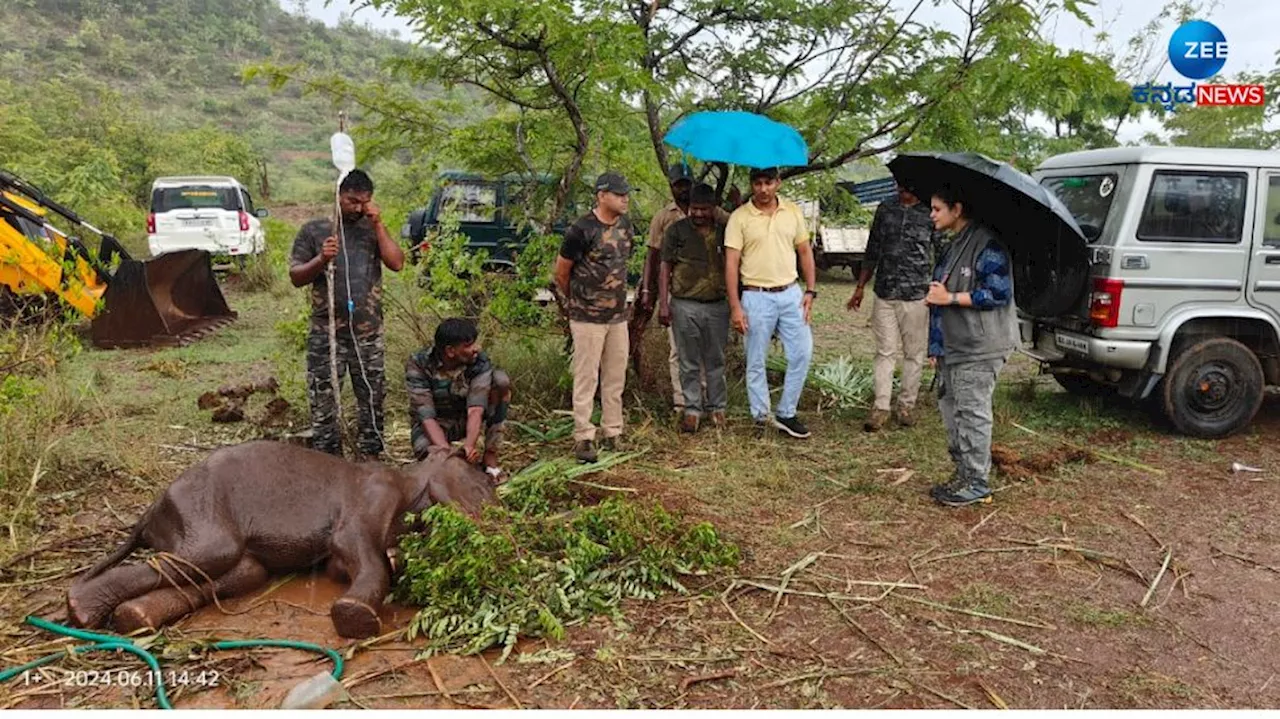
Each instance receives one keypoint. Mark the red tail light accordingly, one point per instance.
(244, 221)
(151, 223)
(1104, 302)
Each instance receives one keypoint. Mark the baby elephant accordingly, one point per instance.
(263, 507)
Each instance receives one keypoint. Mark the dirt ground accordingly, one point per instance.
(1120, 566)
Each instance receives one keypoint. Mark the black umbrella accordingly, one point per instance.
(1049, 252)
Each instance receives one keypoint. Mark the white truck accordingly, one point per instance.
(837, 244)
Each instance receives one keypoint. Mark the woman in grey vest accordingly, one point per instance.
(972, 333)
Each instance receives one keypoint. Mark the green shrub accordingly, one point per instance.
(539, 562)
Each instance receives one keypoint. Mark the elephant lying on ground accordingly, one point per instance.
(263, 507)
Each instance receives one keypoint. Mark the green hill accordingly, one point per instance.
(99, 96)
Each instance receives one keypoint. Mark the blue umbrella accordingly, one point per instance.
(739, 138)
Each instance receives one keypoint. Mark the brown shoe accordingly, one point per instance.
(906, 417)
(689, 424)
(585, 451)
(875, 420)
(718, 420)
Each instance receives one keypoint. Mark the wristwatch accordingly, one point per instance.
(814, 293)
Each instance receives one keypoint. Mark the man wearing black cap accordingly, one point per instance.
(764, 241)
(900, 254)
(681, 180)
(591, 276)
(691, 297)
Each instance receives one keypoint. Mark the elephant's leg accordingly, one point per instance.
(161, 606)
(355, 614)
(212, 548)
(89, 603)
(337, 571)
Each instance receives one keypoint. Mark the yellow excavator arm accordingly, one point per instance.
(34, 258)
(171, 299)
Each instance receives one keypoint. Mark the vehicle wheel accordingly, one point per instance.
(1213, 388)
(1081, 386)
(241, 262)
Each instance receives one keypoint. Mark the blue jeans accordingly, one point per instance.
(781, 311)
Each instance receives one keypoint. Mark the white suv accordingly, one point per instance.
(214, 214)
(1182, 301)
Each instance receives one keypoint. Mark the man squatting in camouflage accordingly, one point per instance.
(366, 246)
(454, 391)
(900, 254)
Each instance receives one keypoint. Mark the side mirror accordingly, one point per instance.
(261, 212)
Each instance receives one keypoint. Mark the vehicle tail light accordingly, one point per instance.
(244, 221)
(1104, 301)
(151, 223)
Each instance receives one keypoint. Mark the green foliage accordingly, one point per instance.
(539, 562)
(457, 280)
(1240, 126)
(512, 300)
(35, 398)
(294, 329)
(90, 149)
(132, 89)
(269, 271)
(842, 383)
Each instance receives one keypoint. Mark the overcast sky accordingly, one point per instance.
(1252, 28)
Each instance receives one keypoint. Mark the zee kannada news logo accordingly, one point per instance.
(1198, 51)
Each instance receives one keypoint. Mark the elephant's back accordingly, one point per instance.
(282, 498)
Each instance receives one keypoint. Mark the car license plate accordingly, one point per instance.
(197, 223)
(1073, 344)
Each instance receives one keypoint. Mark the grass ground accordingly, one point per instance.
(855, 590)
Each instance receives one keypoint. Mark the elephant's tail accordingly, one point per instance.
(133, 542)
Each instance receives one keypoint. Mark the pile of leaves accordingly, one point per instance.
(541, 561)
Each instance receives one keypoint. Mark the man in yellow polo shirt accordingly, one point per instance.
(762, 242)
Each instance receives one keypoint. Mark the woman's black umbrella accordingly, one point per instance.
(1049, 253)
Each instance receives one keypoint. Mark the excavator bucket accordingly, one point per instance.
(170, 300)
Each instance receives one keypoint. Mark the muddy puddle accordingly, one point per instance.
(298, 610)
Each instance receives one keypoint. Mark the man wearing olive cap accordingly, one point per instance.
(591, 277)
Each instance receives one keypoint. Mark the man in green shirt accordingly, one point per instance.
(691, 294)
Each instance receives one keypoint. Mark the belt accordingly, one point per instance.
(704, 302)
(783, 288)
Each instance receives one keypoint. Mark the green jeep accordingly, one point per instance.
(489, 215)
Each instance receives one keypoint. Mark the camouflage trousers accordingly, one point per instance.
(965, 392)
(455, 428)
(364, 358)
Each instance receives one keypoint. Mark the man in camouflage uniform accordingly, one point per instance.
(591, 277)
(359, 251)
(454, 392)
(900, 253)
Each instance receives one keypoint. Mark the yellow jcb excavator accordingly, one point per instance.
(172, 299)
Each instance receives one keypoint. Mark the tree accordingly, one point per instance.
(857, 78)
(1227, 126)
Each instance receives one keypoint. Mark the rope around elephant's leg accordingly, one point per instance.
(175, 559)
(155, 562)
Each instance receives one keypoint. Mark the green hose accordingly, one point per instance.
(105, 642)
